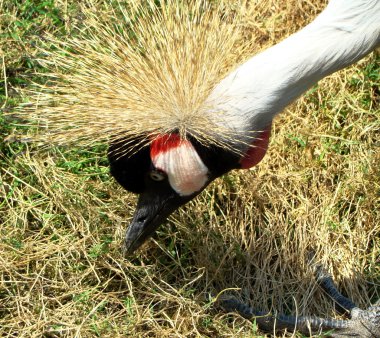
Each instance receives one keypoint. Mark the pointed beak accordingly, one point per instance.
(152, 210)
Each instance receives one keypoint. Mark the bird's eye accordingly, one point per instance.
(157, 175)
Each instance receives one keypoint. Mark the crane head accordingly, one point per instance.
(167, 173)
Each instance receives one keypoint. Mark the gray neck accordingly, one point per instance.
(256, 91)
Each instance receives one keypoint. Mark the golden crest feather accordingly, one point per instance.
(142, 69)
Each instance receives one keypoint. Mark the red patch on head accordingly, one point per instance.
(257, 150)
(163, 143)
(179, 160)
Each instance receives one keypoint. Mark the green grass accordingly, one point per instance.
(63, 218)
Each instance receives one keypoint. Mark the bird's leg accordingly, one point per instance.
(269, 322)
(362, 323)
(344, 305)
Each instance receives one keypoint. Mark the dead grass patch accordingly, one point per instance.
(62, 273)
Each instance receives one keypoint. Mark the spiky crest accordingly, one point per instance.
(146, 70)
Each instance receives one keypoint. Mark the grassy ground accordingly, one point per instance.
(63, 217)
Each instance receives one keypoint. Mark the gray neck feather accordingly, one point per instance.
(256, 91)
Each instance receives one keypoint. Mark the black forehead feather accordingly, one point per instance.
(217, 159)
(129, 162)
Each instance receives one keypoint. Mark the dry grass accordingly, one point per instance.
(63, 218)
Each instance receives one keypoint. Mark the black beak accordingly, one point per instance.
(152, 209)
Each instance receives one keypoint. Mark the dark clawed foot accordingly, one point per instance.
(269, 322)
(324, 279)
(362, 323)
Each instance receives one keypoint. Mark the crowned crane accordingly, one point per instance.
(172, 169)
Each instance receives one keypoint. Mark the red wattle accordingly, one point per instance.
(257, 150)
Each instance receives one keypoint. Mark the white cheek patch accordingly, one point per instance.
(186, 171)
